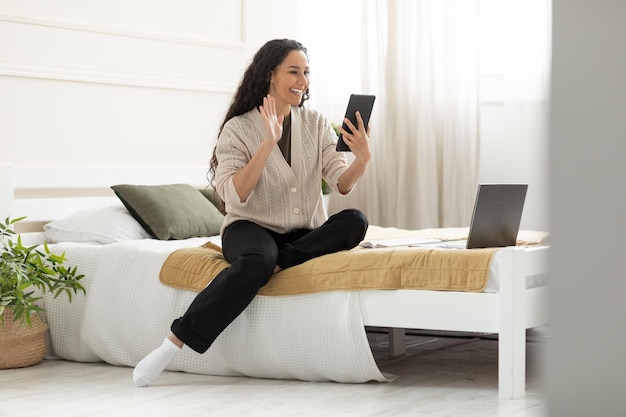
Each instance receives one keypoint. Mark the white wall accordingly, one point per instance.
(516, 151)
(124, 81)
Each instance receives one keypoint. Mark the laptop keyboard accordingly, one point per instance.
(450, 244)
(454, 244)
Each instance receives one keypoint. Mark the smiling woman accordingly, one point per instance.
(289, 81)
(271, 155)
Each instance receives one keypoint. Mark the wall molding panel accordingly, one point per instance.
(125, 81)
(128, 79)
(171, 61)
(237, 45)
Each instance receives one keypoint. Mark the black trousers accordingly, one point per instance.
(253, 253)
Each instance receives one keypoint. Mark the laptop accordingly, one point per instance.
(496, 217)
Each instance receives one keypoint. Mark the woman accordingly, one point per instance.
(267, 166)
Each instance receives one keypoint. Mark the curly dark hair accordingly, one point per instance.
(254, 85)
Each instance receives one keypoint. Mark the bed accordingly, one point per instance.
(127, 309)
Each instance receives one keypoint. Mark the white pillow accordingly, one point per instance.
(107, 223)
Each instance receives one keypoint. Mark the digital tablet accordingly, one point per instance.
(363, 104)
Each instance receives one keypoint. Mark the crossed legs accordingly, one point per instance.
(254, 253)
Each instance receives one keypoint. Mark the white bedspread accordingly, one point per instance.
(127, 312)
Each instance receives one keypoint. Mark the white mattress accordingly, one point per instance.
(127, 312)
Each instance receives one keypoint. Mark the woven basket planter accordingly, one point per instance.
(21, 345)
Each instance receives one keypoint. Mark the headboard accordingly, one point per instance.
(44, 193)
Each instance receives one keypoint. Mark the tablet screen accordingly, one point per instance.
(363, 104)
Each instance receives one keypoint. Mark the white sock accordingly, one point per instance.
(150, 367)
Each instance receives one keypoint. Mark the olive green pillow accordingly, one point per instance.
(170, 211)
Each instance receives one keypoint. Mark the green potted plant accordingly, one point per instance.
(26, 273)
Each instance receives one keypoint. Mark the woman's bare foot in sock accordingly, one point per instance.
(150, 367)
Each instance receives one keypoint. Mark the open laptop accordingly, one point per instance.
(496, 217)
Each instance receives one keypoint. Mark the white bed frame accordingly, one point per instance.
(46, 192)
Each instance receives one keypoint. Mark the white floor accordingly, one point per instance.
(440, 375)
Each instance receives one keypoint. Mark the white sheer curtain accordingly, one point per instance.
(515, 61)
(421, 60)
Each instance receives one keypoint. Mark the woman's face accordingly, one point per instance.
(289, 81)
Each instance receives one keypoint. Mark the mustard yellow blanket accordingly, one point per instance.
(356, 269)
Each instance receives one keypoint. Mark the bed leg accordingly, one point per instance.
(512, 335)
(397, 341)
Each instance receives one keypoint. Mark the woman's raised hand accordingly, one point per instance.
(273, 122)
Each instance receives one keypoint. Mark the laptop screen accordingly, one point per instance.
(497, 215)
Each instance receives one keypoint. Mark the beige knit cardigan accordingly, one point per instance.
(286, 197)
